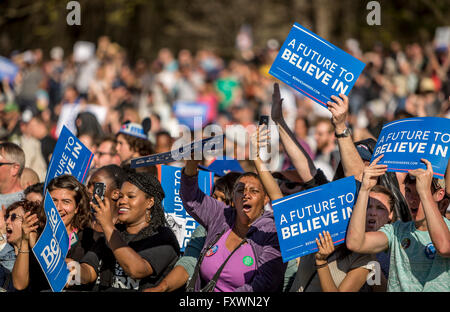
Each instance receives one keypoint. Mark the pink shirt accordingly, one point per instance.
(239, 269)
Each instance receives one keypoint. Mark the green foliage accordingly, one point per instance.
(143, 27)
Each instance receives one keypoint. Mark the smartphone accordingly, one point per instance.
(99, 190)
(264, 120)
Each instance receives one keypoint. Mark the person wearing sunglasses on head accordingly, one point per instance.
(12, 163)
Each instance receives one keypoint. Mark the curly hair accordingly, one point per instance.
(83, 216)
(152, 188)
(26, 205)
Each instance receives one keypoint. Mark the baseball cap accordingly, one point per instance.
(133, 129)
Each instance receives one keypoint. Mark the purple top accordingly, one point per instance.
(239, 269)
(215, 216)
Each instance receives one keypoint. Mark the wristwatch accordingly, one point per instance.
(347, 132)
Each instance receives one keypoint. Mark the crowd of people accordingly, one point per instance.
(121, 111)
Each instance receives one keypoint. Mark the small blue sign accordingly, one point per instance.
(404, 142)
(223, 165)
(315, 67)
(300, 217)
(52, 247)
(8, 69)
(70, 156)
(191, 114)
(170, 178)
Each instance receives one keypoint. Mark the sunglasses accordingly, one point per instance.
(13, 216)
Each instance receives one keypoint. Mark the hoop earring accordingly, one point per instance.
(148, 216)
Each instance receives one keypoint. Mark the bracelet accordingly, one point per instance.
(20, 248)
(322, 265)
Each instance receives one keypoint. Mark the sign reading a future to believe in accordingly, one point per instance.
(315, 67)
(52, 247)
(405, 142)
(300, 217)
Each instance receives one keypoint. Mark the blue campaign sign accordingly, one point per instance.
(299, 218)
(223, 165)
(170, 177)
(404, 142)
(8, 69)
(70, 156)
(315, 67)
(187, 112)
(52, 247)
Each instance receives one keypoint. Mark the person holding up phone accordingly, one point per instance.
(141, 254)
(106, 182)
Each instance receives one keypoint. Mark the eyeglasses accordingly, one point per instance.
(100, 154)
(13, 216)
(6, 163)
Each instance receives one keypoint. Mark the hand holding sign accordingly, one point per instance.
(371, 174)
(423, 177)
(326, 247)
(339, 110)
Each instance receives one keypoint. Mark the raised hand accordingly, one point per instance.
(423, 177)
(371, 174)
(103, 213)
(260, 138)
(277, 101)
(339, 110)
(30, 225)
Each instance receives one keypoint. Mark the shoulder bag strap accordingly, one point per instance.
(191, 283)
(212, 283)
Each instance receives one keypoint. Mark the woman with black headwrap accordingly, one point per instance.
(140, 255)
